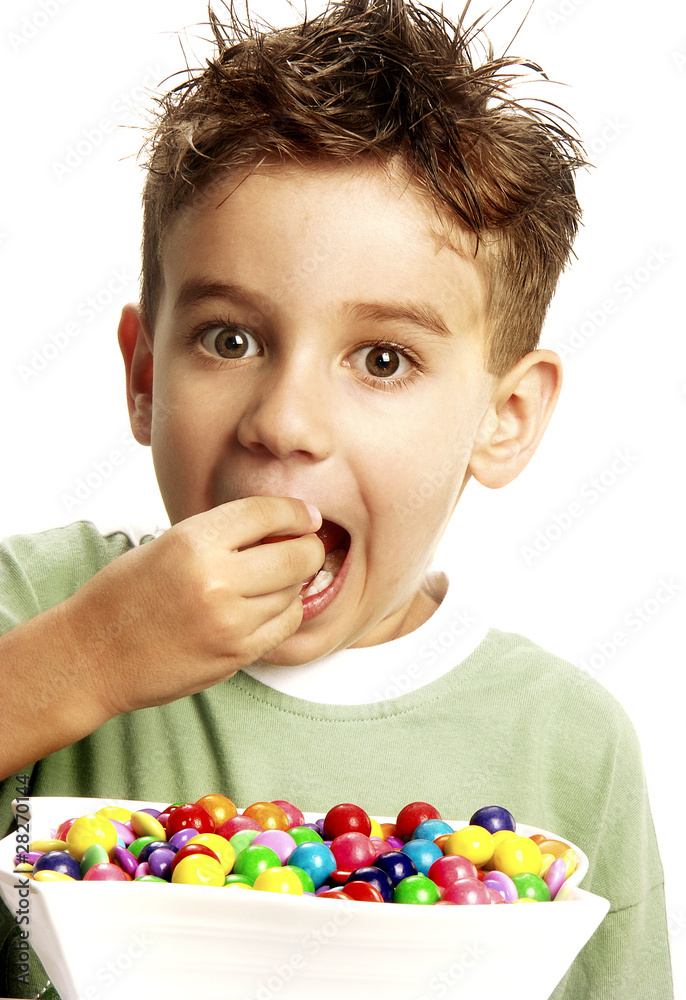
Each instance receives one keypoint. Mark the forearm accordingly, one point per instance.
(49, 692)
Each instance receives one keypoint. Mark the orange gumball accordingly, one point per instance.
(268, 815)
(388, 830)
(554, 847)
(219, 807)
(440, 841)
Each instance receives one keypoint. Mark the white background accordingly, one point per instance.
(72, 106)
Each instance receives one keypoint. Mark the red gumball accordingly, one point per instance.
(333, 894)
(237, 824)
(189, 850)
(346, 818)
(410, 816)
(363, 891)
(64, 828)
(189, 816)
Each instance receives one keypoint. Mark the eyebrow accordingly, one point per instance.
(420, 314)
(195, 290)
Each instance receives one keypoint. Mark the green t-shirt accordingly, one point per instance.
(510, 724)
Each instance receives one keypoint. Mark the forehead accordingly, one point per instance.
(341, 227)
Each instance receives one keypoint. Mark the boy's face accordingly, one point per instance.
(316, 339)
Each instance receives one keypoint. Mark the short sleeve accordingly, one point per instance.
(40, 571)
(601, 776)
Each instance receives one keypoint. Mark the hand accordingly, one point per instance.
(190, 608)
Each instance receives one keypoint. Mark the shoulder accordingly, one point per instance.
(71, 543)
(566, 700)
(39, 570)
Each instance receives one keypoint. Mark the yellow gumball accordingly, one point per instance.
(279, 880)
(91, 829)
(48, 845)
(472, 842)
(514, 857)
(498, 837)
(571, 860)
(220, 846)
(376, 830)
(145, 825)
(198, 869)
(114, 812)
(546, 862)
(45, 875)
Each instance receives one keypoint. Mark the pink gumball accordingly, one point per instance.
(467, 892)
(555, 876)
(451, 868)
(295, 817)
(280, 842)
(353, 850)
(106, 872)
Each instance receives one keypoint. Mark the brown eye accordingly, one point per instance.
(381, 361)
(229, 342)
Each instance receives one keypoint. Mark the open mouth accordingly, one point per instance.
(336, 542)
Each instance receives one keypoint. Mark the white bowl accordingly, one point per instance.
(117, 941)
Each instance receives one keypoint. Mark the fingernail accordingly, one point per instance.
(315, 513)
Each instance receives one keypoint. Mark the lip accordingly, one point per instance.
(317, 603)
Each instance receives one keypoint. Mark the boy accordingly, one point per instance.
(351, 237)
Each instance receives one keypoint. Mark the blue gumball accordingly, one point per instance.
(59, 861)
(315, 859)
(376, 877)
(397, 865)
(493, 818)
(423, 853)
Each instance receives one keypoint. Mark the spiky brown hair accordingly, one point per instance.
(382, 79)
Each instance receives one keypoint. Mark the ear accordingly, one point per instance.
(518, 414)
(135, 343)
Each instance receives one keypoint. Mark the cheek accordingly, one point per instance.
(422, 469)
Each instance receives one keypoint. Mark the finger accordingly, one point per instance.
(256, 612)
(277, 629)
(273, 566)
(242, 523)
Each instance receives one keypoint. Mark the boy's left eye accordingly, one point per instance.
(381, 361)
(230, 342)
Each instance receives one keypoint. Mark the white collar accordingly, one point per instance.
(378, 673)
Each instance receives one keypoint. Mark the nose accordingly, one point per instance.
(288, 415)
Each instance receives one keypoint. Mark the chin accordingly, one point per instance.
(289, 655)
